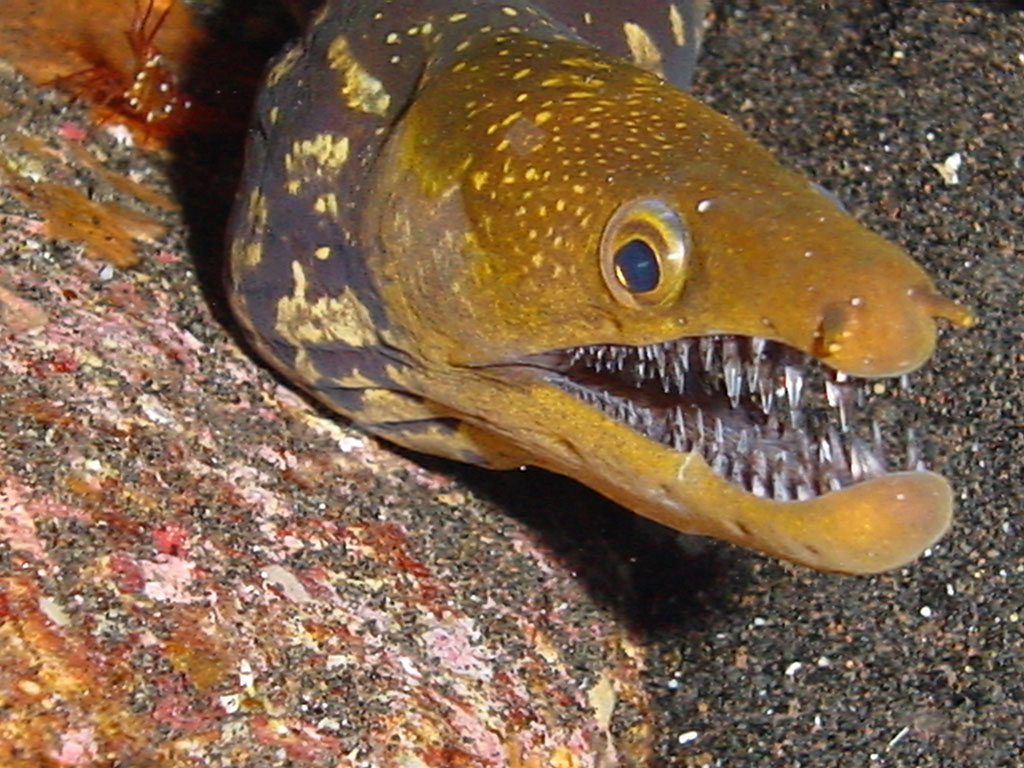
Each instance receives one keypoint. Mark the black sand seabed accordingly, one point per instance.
(925, 666)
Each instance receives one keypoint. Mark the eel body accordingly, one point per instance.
(501, 232)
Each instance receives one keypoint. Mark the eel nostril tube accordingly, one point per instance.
(937, 305)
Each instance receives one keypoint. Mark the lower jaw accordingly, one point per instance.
(872, 526)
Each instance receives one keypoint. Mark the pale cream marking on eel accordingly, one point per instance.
(283, 66)
(319, 157)
(250, 254)
(643, 49)
(328, 319)
(678, 25)
(362, 91)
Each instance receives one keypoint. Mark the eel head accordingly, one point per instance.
(599, 275)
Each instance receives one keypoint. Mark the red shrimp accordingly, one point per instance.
(149, 97)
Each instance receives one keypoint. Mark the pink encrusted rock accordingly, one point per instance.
(200, 569)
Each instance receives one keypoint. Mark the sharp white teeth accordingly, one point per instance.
(721, 465)
(873, 461)
(679, 442)
(759, 463)
(914, 459)
(743, 444)
(766, 394)
(847, 402)
(804, 490)
(779, 490)
(679, 421)
(859, 462)
(824, 452)
(684, 353)
(804, 448)
(757, 487)
(679, 373)
(738, 467)
(838, 454)
(877, 444)
(794, 378)
(700, 442)
(831, 393)
(706, 345)
(646, 420)
(757, 346)
(733, 371)
(661, 364)
(753, 371)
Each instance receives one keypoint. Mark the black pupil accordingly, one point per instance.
(636, 266)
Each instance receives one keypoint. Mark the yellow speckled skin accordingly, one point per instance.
(400, 262)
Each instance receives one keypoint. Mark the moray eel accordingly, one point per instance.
(501, 232)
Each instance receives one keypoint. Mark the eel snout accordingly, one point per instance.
(895, 338)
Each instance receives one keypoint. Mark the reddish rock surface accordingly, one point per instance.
(197, 568)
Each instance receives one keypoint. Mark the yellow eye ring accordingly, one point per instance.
(643, 253)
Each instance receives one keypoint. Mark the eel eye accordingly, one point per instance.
(643, 254)
(636, 267)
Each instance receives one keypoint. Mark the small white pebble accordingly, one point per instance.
(824, 661)
(246, 678)
(949, 169)
(121, 134)
(231, 702)
(759, 622)
(926, 611)
(686, 738)
(898, 737)
(793, 668)
(54, 612)
(349, 443)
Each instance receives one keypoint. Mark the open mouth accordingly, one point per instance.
(771, 420)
